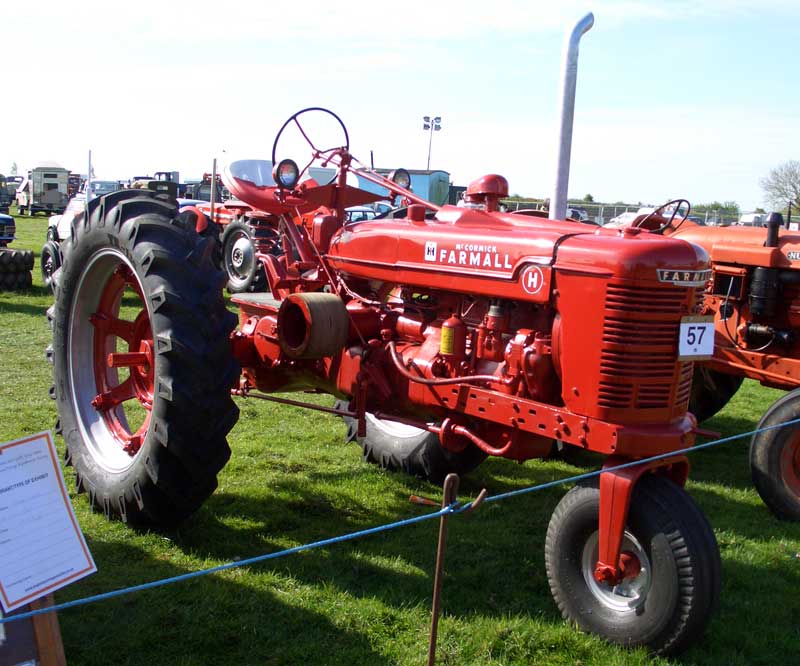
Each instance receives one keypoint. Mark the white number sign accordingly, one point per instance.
(696, 339)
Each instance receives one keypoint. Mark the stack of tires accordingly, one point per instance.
(15, 269)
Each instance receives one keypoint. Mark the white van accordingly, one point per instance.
(43, 190)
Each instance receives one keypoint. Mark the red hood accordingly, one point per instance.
(473, 251)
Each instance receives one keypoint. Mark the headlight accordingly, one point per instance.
(401, 177)
(285, 174)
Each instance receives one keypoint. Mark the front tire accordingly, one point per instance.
(49, 262)
(140, 290)
(667, 604)
(775, 458)
(401, 448)
(711, 391)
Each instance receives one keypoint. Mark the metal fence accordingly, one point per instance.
(604, 213)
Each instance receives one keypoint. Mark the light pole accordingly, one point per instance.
(432, 125)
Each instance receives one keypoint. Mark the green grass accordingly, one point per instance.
(292, 480)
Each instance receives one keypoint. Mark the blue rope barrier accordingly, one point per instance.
(230, 565)
(452, 509)
(632, 463)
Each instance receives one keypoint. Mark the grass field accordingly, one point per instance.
(292, 480)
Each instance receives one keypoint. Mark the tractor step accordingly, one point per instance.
(259, 300)
(257, 304)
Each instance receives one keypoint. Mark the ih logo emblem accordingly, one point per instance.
(430, 250)
(532, 280)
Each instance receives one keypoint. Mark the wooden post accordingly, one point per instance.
(448, 497)
(36, 639)
(48, 634)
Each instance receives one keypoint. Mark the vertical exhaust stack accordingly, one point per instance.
(569, 77)
(88, 180)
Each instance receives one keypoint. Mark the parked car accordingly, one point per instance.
(627, 218)
(8, 229)
(578, 214)
(101, 187)
(624, 219)
(360, 213)
(382, 207)
(58, 226)
(12, 183)
(753, 219)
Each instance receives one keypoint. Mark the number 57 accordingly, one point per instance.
(694, 334)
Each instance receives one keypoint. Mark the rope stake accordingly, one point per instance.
(449, 493)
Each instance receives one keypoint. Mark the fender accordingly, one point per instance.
(616, 490)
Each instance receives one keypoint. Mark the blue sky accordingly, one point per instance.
(687, 99)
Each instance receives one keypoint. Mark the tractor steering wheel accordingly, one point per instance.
(654, 215)
(323, 155)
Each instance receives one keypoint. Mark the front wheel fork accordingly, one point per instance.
(616, 490)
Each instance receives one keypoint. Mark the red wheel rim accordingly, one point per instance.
(114, 398)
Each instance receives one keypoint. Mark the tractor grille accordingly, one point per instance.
(637, 362)
(638, 300)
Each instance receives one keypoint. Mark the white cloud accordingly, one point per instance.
(170, 86)
(318, 22)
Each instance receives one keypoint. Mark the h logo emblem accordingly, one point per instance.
(532, 280)
(430, 250)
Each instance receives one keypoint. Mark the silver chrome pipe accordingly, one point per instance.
(569, 77)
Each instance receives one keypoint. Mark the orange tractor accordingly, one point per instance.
(754, 296)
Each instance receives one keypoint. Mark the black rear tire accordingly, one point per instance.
(15, 261)
(711, 391)
(49, 262)
(775, 458)
(134, 254)
(667, 606)
(245, 272)
(401, 448)
(8, 281)
(7, 262)
(24, 280)
(27, 260)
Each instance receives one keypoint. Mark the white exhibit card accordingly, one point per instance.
(42, 547)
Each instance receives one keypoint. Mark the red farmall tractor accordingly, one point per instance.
(448, 334)
(754, 297)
